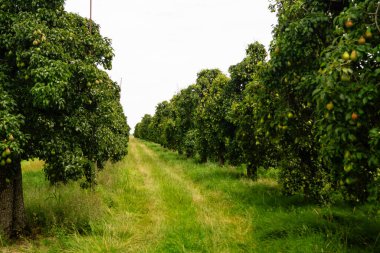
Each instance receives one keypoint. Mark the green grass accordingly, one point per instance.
(158, 201)
(280, 223)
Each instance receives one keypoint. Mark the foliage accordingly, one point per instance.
(246, 93)
(349, 132)
(56, 102)
(142, 128)
(312, 109)
(184, 105)
(289, 79)
(210, 115)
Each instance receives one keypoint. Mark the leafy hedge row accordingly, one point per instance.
(312, 109)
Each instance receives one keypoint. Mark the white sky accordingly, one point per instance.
(161, 45)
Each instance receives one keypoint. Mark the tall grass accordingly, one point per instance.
(158, 201)
(57, 209)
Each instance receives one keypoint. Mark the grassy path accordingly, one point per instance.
(197, 220)
(155, 207)
(157, 201)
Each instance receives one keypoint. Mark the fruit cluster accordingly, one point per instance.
(5, 156)
(40, 37)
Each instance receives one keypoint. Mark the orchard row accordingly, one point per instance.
(312, 109)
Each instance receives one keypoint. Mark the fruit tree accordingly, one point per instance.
(55, 102)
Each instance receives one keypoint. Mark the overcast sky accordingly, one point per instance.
(161, 45)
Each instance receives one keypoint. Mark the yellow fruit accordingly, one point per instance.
(8, 161)
(354, 116)
(7, 151)
(36, 42)
(361, 40)
(290, 115)
(368, 34)
(349, 23)
(2, 163)
(354, 55)
(330, 106)
(277, 50)
(346, 56)
(11, 138)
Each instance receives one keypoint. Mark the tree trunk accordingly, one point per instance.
(222, 161)
(221, 154)
(12, 213)
(203, 157)
(252, 171)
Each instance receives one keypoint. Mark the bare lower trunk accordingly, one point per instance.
(222, 161)
(221, 154)
(252, 171)
(203, 158)
(12, 213)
